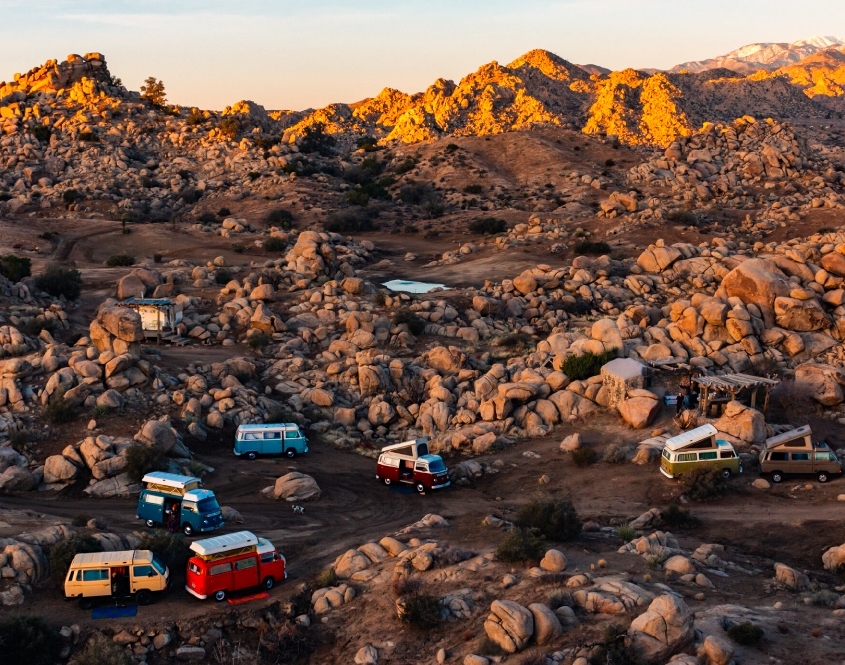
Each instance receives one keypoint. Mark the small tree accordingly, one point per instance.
(153, 92)
(15, 268)
(521, 545)
(58, 281)
(141, 459)
(28, 640)
(554, 519)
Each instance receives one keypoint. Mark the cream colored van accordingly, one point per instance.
(104, 575)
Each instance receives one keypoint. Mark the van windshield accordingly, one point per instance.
(158, 565)
(436, 466)
(208, 505)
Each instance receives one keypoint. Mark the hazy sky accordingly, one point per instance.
(310, 53)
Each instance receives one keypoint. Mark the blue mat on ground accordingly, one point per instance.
(112, 612)
(402, 489)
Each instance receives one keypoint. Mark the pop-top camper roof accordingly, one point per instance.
(174, 480)
(409, 449)
(789, 436)
(689, 438)
(228, 543)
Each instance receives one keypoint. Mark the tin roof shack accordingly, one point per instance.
(159, 316)
(621, 375)
(717, 391)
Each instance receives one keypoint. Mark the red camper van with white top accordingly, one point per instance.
(233, 562)
(409, 463)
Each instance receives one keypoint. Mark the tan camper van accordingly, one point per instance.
(794, 452)
(116, 575)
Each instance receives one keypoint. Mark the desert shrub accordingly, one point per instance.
(416, 324)
(433, 206)
(589, 247)
(88, 137)
(48, 235)
(560, 598)
(224, 212)
(120, 260)
(41, 133)
(141, 459)
(522, 545)
(279, 416)
(609, 162)
(99, 410)
(615, 454)
(656, 560)
(613, 649)
(357, 197)
(626, 532)
(585, 456)
(153, 92)
(826, 229)
(824, 598)
(279, 217)
(229, 127)
(194, 119)
(59, 410)
(684, 217)
(315, 139)
(237, 248)
(367, 143)
(452, 147)
(488, 226)
(58, 282)
(253, 175)
(513, 341)
(405, 165)
(414, 193)
(554, 519)
(474, 188)
(326, 577)
(80, 520)
(586, 365)
(258, 340)
(62, 553)
(274, 244)
(70, 196)
(171, 548)
(487, 647)
(289, 643)
(702, 484)
(207, 218)
(349, 221)
(421, 610)
(100, 650)
(405, 586)
(747, 634)
(676, 517)
(15, 268)
(28, 640)
(222, 276)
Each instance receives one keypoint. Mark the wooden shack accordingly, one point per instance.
(621, 375)
(717, 391)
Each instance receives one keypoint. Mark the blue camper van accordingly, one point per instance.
(279, 439)
(178, 503)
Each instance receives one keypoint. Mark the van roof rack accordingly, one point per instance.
(226, 545)
(121, 558)
(691, 437)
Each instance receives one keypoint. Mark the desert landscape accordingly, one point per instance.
(549, 273)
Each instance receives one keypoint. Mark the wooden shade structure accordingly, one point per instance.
(719, 390)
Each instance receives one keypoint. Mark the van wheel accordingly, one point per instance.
(188, 530)
(269, 583)
(726, 473)
(220, 596)
(386, 481)
(144, 597)
(777, 477)
(823, 477)
(251, 456)
(290, 453)
(86, 603)
(150, 524)
(420, 488)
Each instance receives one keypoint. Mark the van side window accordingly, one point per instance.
(195, 569)
(220, 568)
(267, 557)
(155, 499)
(142, 571)
(70, 576)
(189, 506)
(802, 457)
(778, 457)
(727, 454)
(707, 455)
(250, 436)
(95, 575)
(825, 457)
(291, 434)
(272, 435)
(686, 457)
(244, 564)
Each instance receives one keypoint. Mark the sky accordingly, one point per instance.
(310, 53)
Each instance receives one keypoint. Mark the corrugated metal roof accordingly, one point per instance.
(733, 381)
(688, 438)
(155, 302)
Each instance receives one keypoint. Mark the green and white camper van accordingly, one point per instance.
(696, 449)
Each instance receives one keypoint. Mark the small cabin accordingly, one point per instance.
(158, 315)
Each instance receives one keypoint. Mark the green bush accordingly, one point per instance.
(58, 282)
(588, 247)
(15, 268)
(521, 545)
(746, 634)
(350, 221)
(615, 454)
(80, 520)
(357, 197)
(62, 553)
(141, 459)
(825, 598)
(676, 517)
(41, 133)
(586, 365)
(585, 456)
(59, 410)
(683, 217)
(100, 650)
(28, 640)
(488, 226)
(280, 416)
(279, 217)
(560, 598)
(207, 218)
(315, 139)
(120, 260)
(554, 519)
(626, 532)
(475, 188)
(224, 212)
(405, 165)
(222, 276)
(229, 127)
(258, 340)
(88, 137)
(70, 196)
(326, 577)
(171, 548)
(702, 484)
(274, 244)
(614, 649)
(416, 324)
(194, 119)
(421, 610)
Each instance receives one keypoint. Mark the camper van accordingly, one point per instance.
(794, 452)
(136, 573)
(233, 562)
(699, 448)
(279, 439)
(410, 463)
(178, 503)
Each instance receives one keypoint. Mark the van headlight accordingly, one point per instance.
(205, 521)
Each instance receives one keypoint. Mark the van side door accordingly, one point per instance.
(94, 582)
(144, 577)
(151, 507)
(246, 572)
(800, 462)
(295, 440)
(271, 444)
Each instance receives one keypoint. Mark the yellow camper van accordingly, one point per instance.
(103, 575)
(696, 449)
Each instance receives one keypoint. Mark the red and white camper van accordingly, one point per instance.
(410, 463)
(233, 562)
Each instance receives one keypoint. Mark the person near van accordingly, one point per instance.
(172, 517)
(120, 582)
(679, 404)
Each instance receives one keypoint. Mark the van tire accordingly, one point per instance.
(85, 603)
(420, 488)
(144, 597)
(220, 596)
(290, 453)
(188, 530)
(776, 476)
(726, 473)
(386, 481)
(269, 583)
(823, 477)
(150, 524)
(251, 455)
